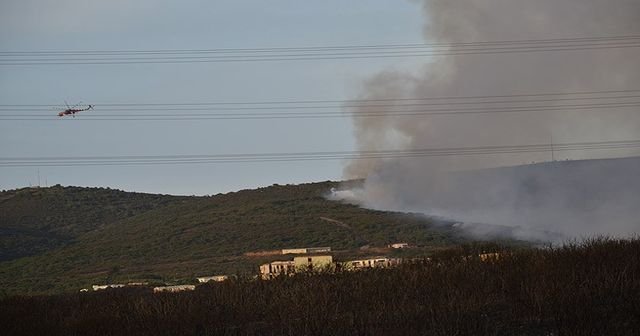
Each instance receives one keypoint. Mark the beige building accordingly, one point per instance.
(313, 262)
(399, 245)
(273, 269)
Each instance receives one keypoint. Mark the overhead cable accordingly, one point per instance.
(308, 156)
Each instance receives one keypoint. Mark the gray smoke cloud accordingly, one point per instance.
(574, 199)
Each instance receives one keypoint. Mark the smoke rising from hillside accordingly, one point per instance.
(439, 186)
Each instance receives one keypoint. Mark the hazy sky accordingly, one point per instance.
(36, 25)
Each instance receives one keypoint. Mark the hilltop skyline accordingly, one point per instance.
(122, 25)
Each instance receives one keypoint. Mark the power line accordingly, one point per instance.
(213, 107)
(361, 101)
(603, 100)
(605, 104)
(323, 114)
(291, 58)
(317, 53)
(306, 156)
(341, 47)
(347, 53)
(358, 102)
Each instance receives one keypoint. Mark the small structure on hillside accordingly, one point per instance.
(294, 251)
(313, 262)
(134, 284)
(173, 289)
(307, 250)
(486, 257)
(216, 278)
(372, 262)
(399, 245)
(275, 268)
(102, 287)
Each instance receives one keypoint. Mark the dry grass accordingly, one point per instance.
(590, 288)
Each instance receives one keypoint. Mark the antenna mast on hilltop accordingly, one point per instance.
(553, 151)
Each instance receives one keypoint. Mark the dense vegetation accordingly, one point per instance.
(34, 220)
(65, 238)
(585, 289)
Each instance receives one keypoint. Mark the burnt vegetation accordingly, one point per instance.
(589, 288)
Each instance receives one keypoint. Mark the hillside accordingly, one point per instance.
(35, 220)
(89, 235)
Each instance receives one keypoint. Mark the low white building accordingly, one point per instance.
(399, 245)
(216, 278)
(372, 262)
(174, 289)
(307, 250)
(102, 287)
(294, 251)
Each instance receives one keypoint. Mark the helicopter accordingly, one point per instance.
(73, 110)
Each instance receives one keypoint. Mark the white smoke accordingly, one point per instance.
(518, 197)
(347, 195)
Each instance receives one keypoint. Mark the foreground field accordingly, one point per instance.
(585, 289)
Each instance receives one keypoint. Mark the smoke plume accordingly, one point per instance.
(577, 198)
